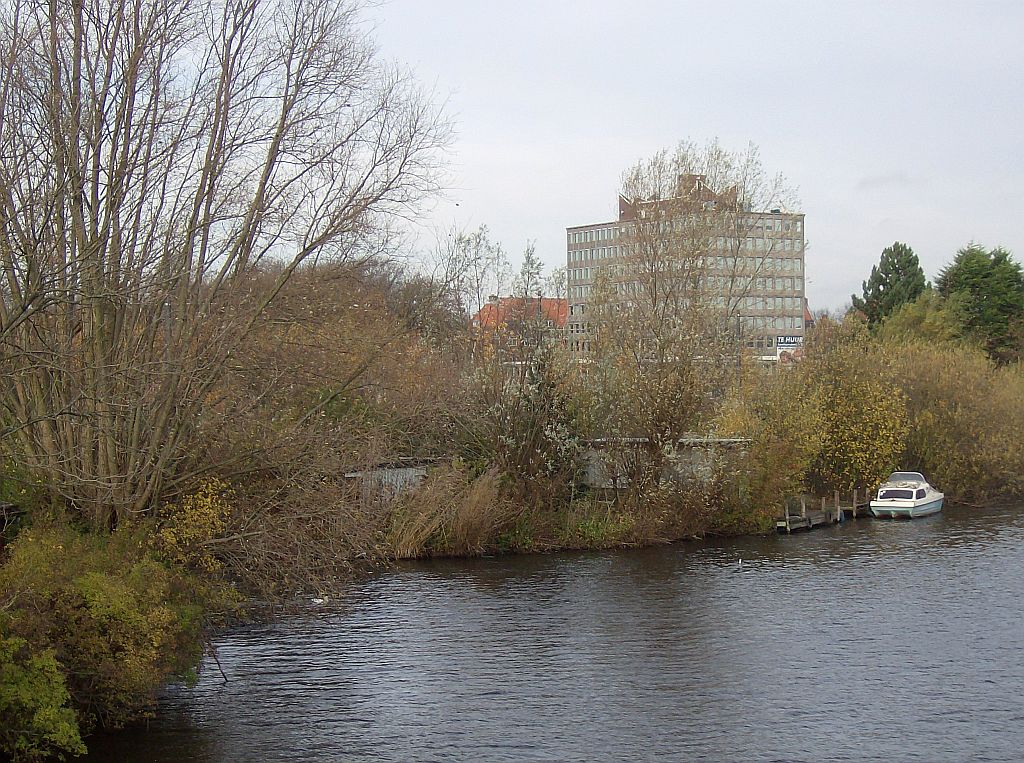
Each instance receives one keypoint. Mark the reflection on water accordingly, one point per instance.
(872, 640)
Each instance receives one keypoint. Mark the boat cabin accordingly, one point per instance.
(900, 493)
(906, 477)
(903, 486)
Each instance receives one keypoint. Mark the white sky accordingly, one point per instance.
(895, 121)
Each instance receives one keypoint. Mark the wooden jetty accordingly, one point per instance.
(803, 514)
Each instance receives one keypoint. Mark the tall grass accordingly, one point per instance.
(452, 514)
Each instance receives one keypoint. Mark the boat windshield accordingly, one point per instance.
(906, 477)
(893, 493)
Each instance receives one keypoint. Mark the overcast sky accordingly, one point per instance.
(895, 121)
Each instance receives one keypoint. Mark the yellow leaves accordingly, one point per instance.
(735, 419)
(865, 425)
(192, 522)
(965, 418)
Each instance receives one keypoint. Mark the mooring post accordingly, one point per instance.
(839, 511)
(803, 506)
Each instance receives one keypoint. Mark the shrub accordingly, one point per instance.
(864, 426)
(523, 423)
(965, 416)
(863, 411)
(37, 721)
(118, 621)
(780, 412)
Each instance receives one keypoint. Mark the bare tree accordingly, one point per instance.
(699, 233)
(555, 285)
(530, 280)
(154, 157)
(665, 317)
(472, 267)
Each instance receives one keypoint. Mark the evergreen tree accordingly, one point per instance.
(895, 280)
(990, 285)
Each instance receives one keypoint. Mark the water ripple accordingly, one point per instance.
(869, 641)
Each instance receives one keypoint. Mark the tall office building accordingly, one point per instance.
(751, 263)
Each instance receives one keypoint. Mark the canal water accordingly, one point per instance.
(867, 641)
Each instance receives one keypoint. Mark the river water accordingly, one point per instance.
(867, 641)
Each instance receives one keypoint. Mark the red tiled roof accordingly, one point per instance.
(504, 309)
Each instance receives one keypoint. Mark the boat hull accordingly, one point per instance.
(906, 509)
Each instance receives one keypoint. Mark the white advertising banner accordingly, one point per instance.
(789, 348)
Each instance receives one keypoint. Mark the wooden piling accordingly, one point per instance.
(830, 511)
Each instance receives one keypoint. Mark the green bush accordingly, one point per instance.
(37, 721)
(117, 621)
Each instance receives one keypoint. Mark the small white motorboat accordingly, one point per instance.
(906, 494)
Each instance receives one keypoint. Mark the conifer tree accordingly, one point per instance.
(895, 280)
(990, 285)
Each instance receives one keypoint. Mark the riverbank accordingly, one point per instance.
(425, 524)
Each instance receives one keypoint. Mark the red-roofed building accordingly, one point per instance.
(808, 316)
(514, 313)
